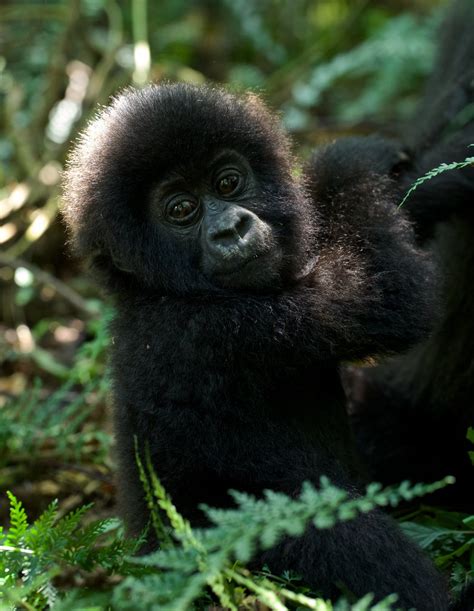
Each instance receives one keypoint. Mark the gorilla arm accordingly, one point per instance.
(373, 289)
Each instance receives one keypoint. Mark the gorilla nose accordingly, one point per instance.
(232, 238)
(230, 229)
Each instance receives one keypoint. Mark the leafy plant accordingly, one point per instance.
(89, 361)
(470, 437)
(389, 62)
(34, 558)
(32, 555)
(56, 425)
(449, 537)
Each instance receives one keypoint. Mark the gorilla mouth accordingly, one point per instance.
(236, 264)
(261, 270)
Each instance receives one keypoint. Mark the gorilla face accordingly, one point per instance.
(220, 213)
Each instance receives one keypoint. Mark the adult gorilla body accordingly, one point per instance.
(411, 414)
(239, 289)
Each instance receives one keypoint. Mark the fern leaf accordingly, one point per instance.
(444, 167)
(18, 521)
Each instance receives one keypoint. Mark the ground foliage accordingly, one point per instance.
(189, 561)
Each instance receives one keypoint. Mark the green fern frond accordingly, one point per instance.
(207, 556)
(40, 532)
(161, 531)
(444, 167)
(18, 521)
(175, 576)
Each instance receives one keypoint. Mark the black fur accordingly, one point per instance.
(238, 386)
(411, 415)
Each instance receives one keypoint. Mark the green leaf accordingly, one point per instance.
(18, 521)
(424, 535)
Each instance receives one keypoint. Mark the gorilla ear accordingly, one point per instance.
(98, 260)
(111, 273)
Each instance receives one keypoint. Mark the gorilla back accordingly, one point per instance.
(239, 289)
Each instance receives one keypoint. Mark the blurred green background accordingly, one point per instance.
(329, 68)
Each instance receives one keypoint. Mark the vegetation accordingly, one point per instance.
(333, 67)
(175, 576)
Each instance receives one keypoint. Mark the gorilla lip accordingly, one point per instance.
(240, 263)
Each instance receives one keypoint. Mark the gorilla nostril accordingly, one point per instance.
(243, 225)
(225, 237)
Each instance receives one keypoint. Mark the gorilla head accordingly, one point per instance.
(181, 189)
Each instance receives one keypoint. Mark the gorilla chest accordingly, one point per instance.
(218, 360)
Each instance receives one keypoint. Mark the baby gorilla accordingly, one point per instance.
(239, 288)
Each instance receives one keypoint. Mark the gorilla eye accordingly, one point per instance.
(228, 184)
(182, 211)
